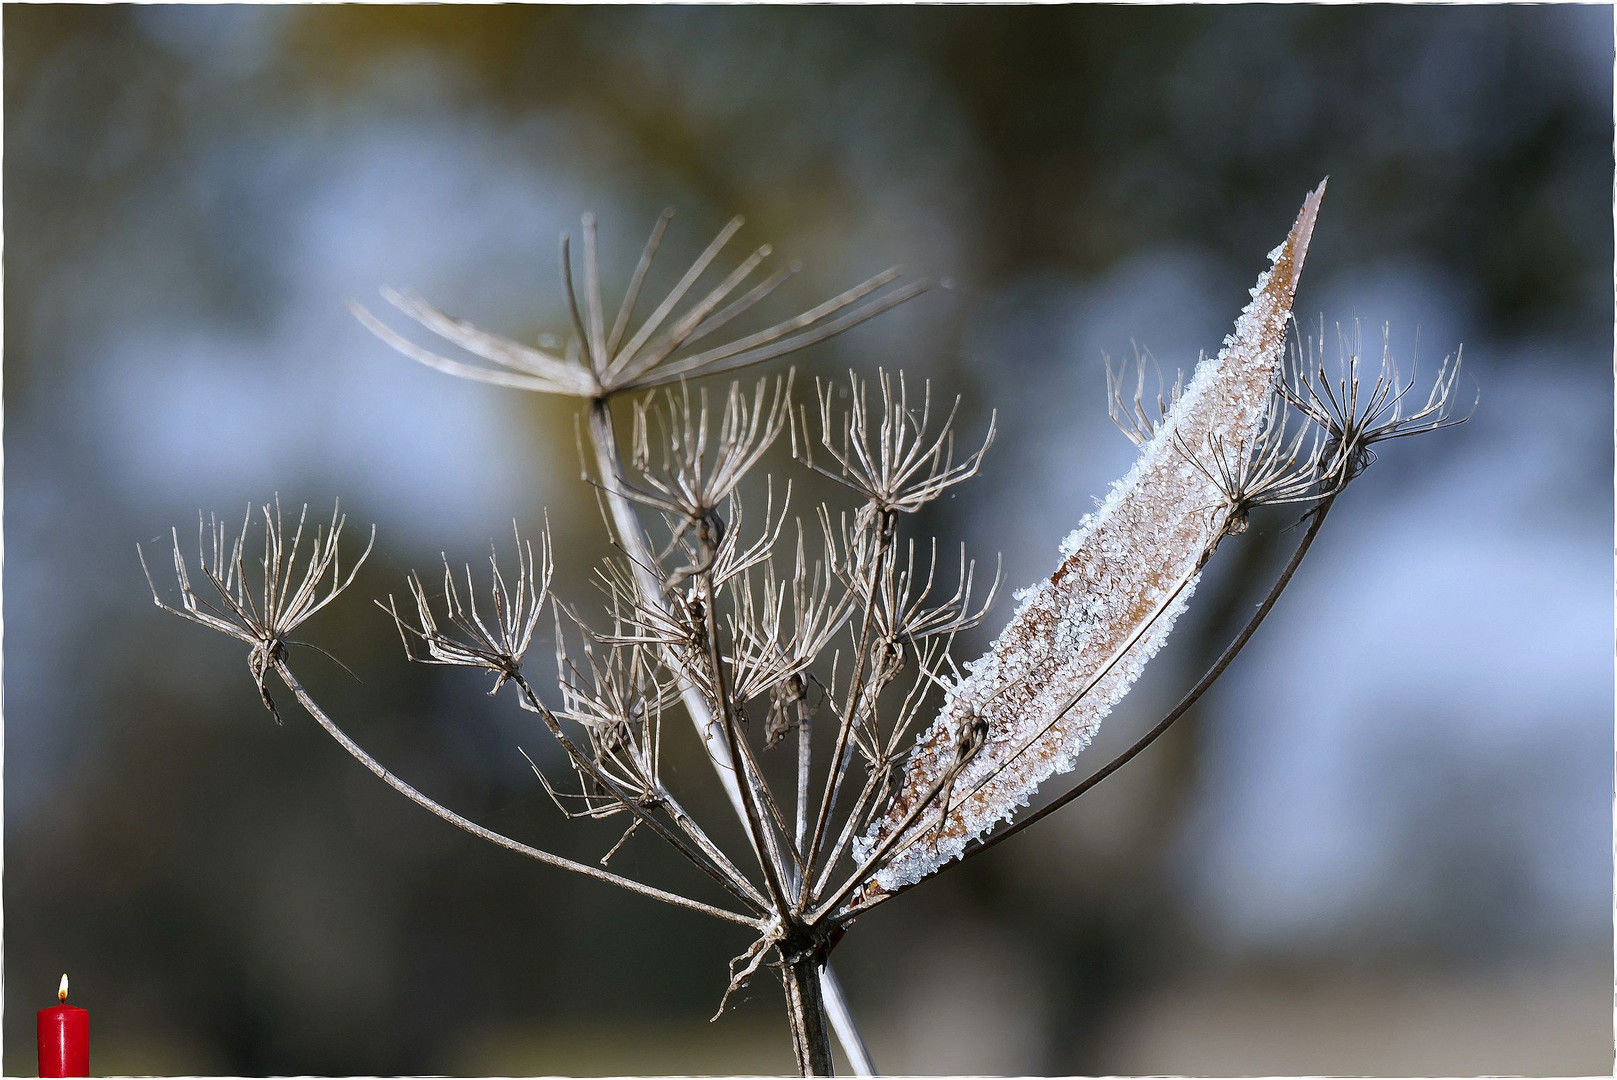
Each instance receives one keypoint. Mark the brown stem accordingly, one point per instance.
(763, 845)
(840, 754)
(811, 1037)
(477, 830)
(603, 438)
(722, 873)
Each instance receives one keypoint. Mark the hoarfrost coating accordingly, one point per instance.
(1078, 641)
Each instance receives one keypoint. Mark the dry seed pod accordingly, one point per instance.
(1079, 640)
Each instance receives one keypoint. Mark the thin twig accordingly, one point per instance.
(285, 672)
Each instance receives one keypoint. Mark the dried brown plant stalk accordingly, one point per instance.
(813, 657)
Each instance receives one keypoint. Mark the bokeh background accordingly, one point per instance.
(1383, 845)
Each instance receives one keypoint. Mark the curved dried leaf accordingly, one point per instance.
(1079, 640)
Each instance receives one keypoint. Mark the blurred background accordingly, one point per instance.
(1383, 845)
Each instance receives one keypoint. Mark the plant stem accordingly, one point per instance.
(811, 1038)
(769, 860)
(490, 835)
(603, 439)
(836, 1007)
(841, 752)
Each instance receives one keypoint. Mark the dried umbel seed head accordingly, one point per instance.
(616, 697)
(284, 599)
(1355, 417)
(1130, 414)
(600, 361)
(896, 463)
(1279, 467)
(702, 461)
(781, 625)
(494, 639)
(708, 609)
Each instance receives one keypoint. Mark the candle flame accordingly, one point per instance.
(61, 992)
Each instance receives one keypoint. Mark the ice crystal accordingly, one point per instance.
(1078, 641)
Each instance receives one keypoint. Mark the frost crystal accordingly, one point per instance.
(1079, 640)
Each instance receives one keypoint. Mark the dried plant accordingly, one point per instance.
(1354, 421)
(284, 601)
(598, 363)
(515, 615)
(834, 639)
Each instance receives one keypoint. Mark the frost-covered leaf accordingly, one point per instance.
(1080, 639)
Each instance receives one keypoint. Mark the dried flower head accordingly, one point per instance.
(1130, 414)
(701, 463)
(284, 600)
(495, 644)
(905, 608)
(759, 644)
(899, 465)
(780, 625)
(1278, 467)
(598, 361)
(616, 697)
(1353, 418)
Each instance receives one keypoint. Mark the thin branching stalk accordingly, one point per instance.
(284, 670)
(718, 870)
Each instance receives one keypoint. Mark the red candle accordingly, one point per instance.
(64, 1038)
